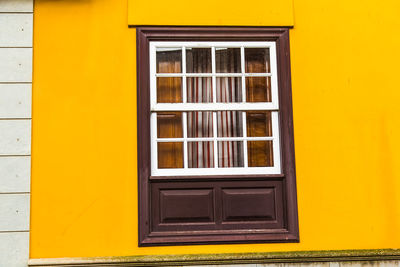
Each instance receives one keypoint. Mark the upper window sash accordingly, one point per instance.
(154, 106)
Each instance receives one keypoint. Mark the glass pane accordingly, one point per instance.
(170, 155)
(169, 90)
(257, 60)
(260, 154)
(258, 89)
(169, 60)
(230, 123)
(230, 154)
(227, 60)
(229, 89)
(169, 125)
(201, 155)
(199, 124)
(199, 90)
(259, 123)
(198, 60)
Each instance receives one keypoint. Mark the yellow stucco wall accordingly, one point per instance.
(345, 71)
(211, 12)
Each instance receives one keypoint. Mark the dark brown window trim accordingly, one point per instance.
(288, 230)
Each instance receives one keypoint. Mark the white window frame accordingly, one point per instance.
(272, 106)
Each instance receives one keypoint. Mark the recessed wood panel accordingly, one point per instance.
(213, 207)
(248, 204)
(186, 205)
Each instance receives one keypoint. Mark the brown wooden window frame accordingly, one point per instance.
(283, 228)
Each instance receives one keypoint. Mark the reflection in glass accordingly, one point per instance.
(229, 89)
(169, 90)
(170, 155)
(257, 60)
(199, 90)
(227, 60)
(260, 154)
(258, 123)
(198, 60)
(199, 124)
(258, 89)
(230, 123)
(169, 125)
(169, 60)
(200, 154)
(230, 154)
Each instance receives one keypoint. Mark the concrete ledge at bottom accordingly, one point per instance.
(336, 258)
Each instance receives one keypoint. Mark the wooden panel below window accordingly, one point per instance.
(216, 207)
(186, 205)
(248, 204)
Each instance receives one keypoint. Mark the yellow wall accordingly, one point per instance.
(211, 12)
(345, 57)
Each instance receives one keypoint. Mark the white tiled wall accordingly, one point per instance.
(16, 27)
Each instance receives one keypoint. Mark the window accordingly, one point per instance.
(214, 108)
(215, 138)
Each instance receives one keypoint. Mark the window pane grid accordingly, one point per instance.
(221, 142)
(240, 142)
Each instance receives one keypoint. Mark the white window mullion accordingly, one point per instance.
(274, 75)
(245, 140)
(243, 74)
(214, 81)
(184, 114)
(153, 80)
(210, 75)
(214, 90)
(242, 61)
(275, 141)
(153, 102)
(205, 139)
(153, 138)
(185, 149)
(215, 130)
(214, 106)
(184, 100)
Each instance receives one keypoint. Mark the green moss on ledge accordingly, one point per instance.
(230, 258)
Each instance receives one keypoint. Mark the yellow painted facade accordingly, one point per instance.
(345, 63)
(210, 12)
